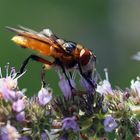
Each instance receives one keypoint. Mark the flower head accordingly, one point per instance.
(70, 123)
(44, 96)
(104, 87)
(109, 124)
(9, 132)
(8, 84)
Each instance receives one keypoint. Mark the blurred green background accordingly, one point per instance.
(111, 28)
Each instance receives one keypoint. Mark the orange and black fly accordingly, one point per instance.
(66, 54)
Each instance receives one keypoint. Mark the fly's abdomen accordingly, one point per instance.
(33, 44)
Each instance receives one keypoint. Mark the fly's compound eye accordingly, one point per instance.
(69, 46)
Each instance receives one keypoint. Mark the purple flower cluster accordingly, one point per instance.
(76, 114)
(10, 92)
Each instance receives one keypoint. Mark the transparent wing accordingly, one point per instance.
(25, 32)
(27, 29)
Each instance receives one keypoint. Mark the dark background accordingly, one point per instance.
(111, 28)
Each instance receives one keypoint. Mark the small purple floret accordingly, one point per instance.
(18, 105)
(65, 87)
(70, 123)
(86, 85)
(109, 124)
(44, 136)
(9, 84)
(104, 88)
(20, 116)
(44, 96)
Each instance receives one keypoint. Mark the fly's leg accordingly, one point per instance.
(35, 58)
(64, 71)
(85, 76)
(38, 59)
(43, 76)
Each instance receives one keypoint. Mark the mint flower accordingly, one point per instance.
(18, 105)
(86, 86)
(44, 96)
(20, 116)
(109, 124)
(44, 136)
(70, 123)
(8, 85)
(9, 132)
(65, 87)
(104, 87)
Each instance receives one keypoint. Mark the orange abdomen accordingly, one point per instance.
(41, 47)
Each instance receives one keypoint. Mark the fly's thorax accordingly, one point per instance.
(76, 52)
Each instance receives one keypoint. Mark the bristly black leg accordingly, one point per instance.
(35, 58)
(64, 71)
(85, 76)
(43, 76)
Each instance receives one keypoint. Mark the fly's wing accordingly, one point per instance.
(27, 29)
(28, 38)
(44, 33)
